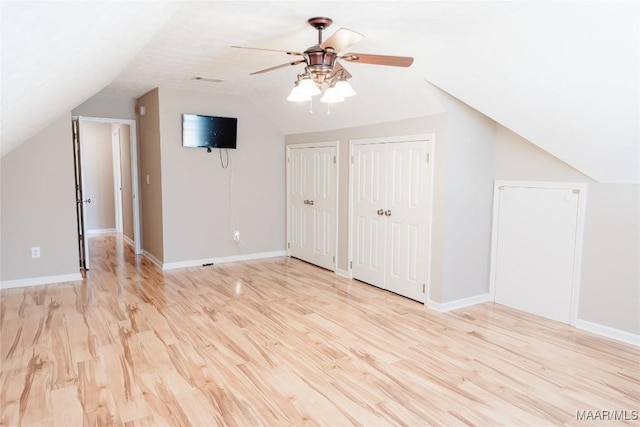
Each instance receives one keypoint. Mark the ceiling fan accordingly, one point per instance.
(322, 69)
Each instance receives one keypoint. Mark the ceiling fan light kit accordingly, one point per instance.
(323, 73)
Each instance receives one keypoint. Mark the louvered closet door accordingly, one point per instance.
(390, 201)
(313, 205)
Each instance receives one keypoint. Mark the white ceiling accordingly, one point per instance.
(562, 74)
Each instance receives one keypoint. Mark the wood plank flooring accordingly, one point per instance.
(279, 342)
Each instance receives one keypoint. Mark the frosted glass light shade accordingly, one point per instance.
(297, 95)
(344, 89)
(331, 96)
(308, 87)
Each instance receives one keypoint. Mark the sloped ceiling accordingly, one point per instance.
(562, 74)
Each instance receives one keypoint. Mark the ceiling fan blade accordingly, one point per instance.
(365, 58)
(278, 66)
(342, 39)
(288, 52)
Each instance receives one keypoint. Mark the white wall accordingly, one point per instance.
(37, 203)
(202, 203)
(610, 282)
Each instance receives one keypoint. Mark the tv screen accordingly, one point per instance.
(208, 131)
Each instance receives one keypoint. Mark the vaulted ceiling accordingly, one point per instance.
(562, 74)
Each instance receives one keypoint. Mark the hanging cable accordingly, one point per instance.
(226, 150)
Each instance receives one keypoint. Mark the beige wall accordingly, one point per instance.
(37, 205)
(610, 282)
(463, 185)
(150, 176)
(127, 179)
(431, 124)
(97, 162)
(202, 203)
(107, 106)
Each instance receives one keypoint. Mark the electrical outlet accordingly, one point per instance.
(236, 236)
(35, 252)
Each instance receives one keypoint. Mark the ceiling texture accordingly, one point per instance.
(562, 74)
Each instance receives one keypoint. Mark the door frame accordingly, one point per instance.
(117, 178)
(135, 179)
(336, 145)
(581, 187)
(429, 139)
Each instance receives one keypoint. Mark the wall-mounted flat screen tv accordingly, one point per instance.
(209, 131)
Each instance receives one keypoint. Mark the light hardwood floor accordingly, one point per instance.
(280, 342)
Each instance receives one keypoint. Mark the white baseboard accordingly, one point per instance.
(100, 231)
(128, 241)
(456, 304)
(152, 258)
(606, 331)
(344, 273)
(37, 281)
(221, 260)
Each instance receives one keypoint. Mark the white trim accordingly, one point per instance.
(155, 261)
(43, 280)
(128, 240)
(344, 273)
(608, 332)
(457, 304)
(222, 260)
(429, 139)
(95, 231)
(580, 223)
(117, 177)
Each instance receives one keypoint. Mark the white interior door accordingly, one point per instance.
(535, 249)
(390, 201)
(300, 188)
(406, 214)
(313, 204)
(369, 200)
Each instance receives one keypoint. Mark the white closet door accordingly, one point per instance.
(313, 187)
(406, 223)
(536, 249)
(390, 201)
(369, 200)
(322, 206)
(300, 191)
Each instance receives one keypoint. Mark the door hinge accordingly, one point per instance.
(334, 159)
(351, 159)
(334, 259)
(575, 191)
(289, 245)
(288, 159)
(428, 157)
(350, 264)
(424, 288)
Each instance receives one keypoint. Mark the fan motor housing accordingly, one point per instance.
(320, 61)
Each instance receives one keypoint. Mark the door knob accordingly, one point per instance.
(380, 212)
(311, 202)
(306, 202)
(86, 201)
(387, 213)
